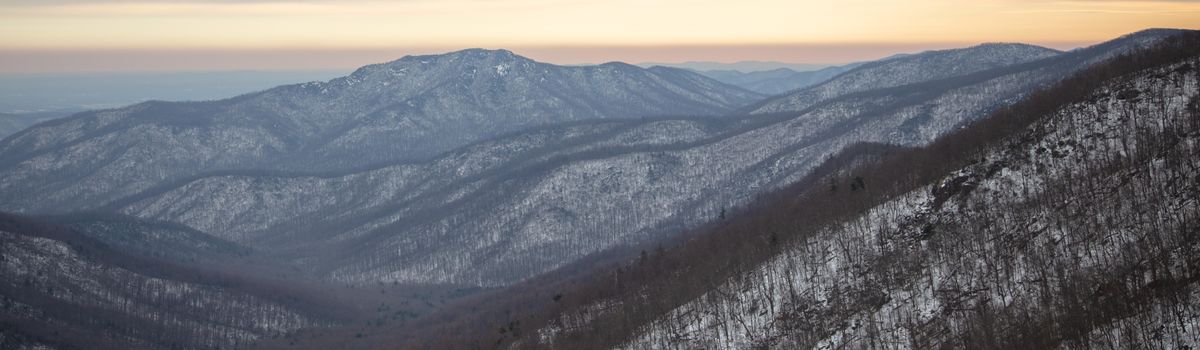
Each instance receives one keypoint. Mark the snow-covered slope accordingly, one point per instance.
(506, 209)
(1078, 232)
(409, 109)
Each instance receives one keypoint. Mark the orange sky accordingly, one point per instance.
(89, 35)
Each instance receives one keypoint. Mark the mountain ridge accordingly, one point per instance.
(345, 122)
(900, 70)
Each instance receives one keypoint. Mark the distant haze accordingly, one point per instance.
(20, 93)
(149, 60)
(158, 35)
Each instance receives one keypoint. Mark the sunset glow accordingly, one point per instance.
(563, 31)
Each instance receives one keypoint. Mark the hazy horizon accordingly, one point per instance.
(194, 35)
(66, 80)
(199, 60)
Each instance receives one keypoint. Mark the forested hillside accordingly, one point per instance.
(1080, 229)
(1068, 219)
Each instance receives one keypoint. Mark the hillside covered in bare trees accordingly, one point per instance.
(1069, 219)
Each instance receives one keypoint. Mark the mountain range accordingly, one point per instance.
(407, 110)
(484, 169)
(512, 207)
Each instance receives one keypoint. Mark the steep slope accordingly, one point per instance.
(511, 208)
(1069, 220)
(409, 109)
(777, 81)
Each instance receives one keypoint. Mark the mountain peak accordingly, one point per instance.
(467, 54)
(500, 59)
(480, 52)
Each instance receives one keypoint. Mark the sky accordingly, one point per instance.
(157, 35)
